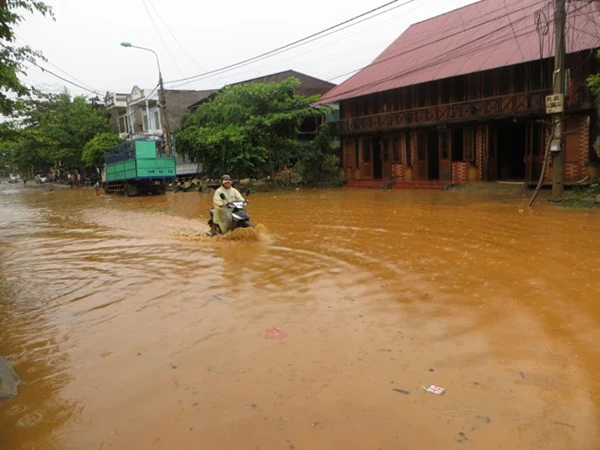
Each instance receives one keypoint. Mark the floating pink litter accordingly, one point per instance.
(275, 333)
(437, 390)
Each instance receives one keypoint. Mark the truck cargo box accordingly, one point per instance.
(138, 167)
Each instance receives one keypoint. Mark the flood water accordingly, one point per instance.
(132, 330)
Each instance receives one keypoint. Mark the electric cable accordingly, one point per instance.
(159, 34)
(444, 58)
(173, 36)
(513, 31)
(89, 88)
(446, 36)
(438, 59)
(287, 45)
(291, 46)
(43, 69)
(309, 39)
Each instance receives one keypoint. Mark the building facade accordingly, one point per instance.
(462, 97)
(137, 116)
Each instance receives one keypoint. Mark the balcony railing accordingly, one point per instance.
(118, 100)
(469, 111)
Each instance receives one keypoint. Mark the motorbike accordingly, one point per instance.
(240, 216)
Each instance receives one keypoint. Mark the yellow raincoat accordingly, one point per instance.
(222, 216)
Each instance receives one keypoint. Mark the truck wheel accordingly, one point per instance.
(130, 190)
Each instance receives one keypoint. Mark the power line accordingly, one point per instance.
(459, 27)
(69, 75)
(160, 36)
(307, 39)
(573, 26)
(513, 30)
(173, 36)
(439, 59)
(43, 69)
(430, 63)
(89, 88)
(279, 49)
(302, 42)
(346, 37)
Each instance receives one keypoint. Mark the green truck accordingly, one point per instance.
(138, 167)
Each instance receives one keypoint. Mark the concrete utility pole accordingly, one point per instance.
(557, 145)
(165, 119)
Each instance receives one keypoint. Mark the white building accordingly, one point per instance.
(137, 115)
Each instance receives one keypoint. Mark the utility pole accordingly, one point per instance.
(165, 119)
(558, 88)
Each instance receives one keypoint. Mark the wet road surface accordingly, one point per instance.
(132, 330)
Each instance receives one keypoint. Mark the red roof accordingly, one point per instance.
(484, 35)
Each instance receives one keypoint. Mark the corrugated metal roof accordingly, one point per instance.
(309, 85)
(482, 36)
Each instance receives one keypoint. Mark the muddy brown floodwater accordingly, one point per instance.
(132, 330)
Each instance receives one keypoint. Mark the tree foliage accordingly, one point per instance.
(93, 150)
(593, 82)
(12, 56)
(53, 131)
(320, 162)
(248, 130)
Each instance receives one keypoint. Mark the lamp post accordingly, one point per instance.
(162, 103)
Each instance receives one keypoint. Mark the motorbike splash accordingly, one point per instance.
(257, 233)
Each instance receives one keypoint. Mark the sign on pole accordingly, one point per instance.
(554, 103)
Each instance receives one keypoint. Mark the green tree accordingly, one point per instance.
(54, 129)
(593, 82)
(248, 130)
(93, 150)
(9, 144)
(320, 161)
(13, 57)
(13, 156)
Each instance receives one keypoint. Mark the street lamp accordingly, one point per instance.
(162, 103)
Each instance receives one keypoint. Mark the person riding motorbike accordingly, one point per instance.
(222, 216)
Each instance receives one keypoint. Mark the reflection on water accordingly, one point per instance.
(130, 328)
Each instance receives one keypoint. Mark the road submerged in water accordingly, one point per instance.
(322, 328)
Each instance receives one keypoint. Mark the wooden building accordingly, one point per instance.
(462, 97)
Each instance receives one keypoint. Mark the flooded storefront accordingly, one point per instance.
(322, 329)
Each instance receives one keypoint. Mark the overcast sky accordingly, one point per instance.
(194, 37)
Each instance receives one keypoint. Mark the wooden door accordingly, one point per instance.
(386, 164)
(377, 159)
(534, 152)
(421, 163)
(366, 166)
(490, 160)
(444, 144)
